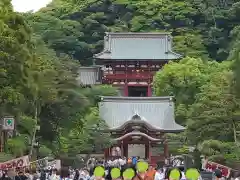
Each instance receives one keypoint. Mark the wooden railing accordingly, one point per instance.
(129, 76)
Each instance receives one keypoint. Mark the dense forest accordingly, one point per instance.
(41, 52)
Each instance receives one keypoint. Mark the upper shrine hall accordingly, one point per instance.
(129, 61)
(137, 121)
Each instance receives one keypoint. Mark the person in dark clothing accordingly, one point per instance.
(43, 175)
(5, 176)
(21, 176)
(77, 175)
(108, 176)
(218, 174)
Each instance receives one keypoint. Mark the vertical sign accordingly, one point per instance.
(8, 123)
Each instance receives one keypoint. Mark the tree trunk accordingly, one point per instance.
(34, 133)
(234, 131)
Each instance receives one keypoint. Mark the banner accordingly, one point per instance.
(212, 166)
(15, 163)
(39, 164)
(56, 164)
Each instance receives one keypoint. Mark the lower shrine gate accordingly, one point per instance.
(138, 126)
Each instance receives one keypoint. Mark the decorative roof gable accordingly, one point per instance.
(138, 46)
(158, 112)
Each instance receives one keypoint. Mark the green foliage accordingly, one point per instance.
(206, 103)
(220, 151)
(38, 68)
(18, 145)
(39, 87)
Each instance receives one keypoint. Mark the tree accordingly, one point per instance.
(213, 110)
(206, 102)
(184, 80)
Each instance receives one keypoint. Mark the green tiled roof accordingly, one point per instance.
(138, 46)
(156, 112)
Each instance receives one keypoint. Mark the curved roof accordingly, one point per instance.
(151, 46)
(137, 134)
(137, 121)
(157, 113)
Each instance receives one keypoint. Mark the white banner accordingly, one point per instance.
(56, 164)
(15, 163)
(39, 164)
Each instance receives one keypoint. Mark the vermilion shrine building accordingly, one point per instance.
(136, 120)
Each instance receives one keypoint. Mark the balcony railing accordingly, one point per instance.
(129, 76)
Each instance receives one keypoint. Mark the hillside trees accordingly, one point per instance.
(40, 88)
(205, 103)
(83, 25)
(200, 28)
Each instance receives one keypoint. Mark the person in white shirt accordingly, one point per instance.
(54, 175)
(159, 175)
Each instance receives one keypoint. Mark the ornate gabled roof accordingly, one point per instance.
(135, 120)
(138, 46)
(137, 133)
(155, 112)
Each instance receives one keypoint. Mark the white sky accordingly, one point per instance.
(29, 5)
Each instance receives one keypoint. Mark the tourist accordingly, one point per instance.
(237, 176)
(96, 178)
(5, 176)
(84, 174)
(21, 176)
(151, 172)
(129, 161)
(159, 175)
(134, 160)
(122, 161)
(181, 168)
(54, 175)
(76, 175)
(168, 171)
(217, 174)
(28, 174)
(128, 166)
(146, 175)
(65, 174)
(11, 173)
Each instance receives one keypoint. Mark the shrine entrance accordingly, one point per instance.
(137, 91)
(137, 150)
(136, 143)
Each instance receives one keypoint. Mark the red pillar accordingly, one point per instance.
(149, 151)
(149, 91)
(146, 150)
(126, 89)
(126, 149)
(106, 155)
(166, 152)
(122, 149)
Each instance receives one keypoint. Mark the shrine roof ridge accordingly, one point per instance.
(89, 67)
(122, 98)
(137, 33)
(137, 46)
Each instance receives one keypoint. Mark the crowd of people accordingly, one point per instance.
(161, 172)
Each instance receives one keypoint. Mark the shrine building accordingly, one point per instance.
(137, 120)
